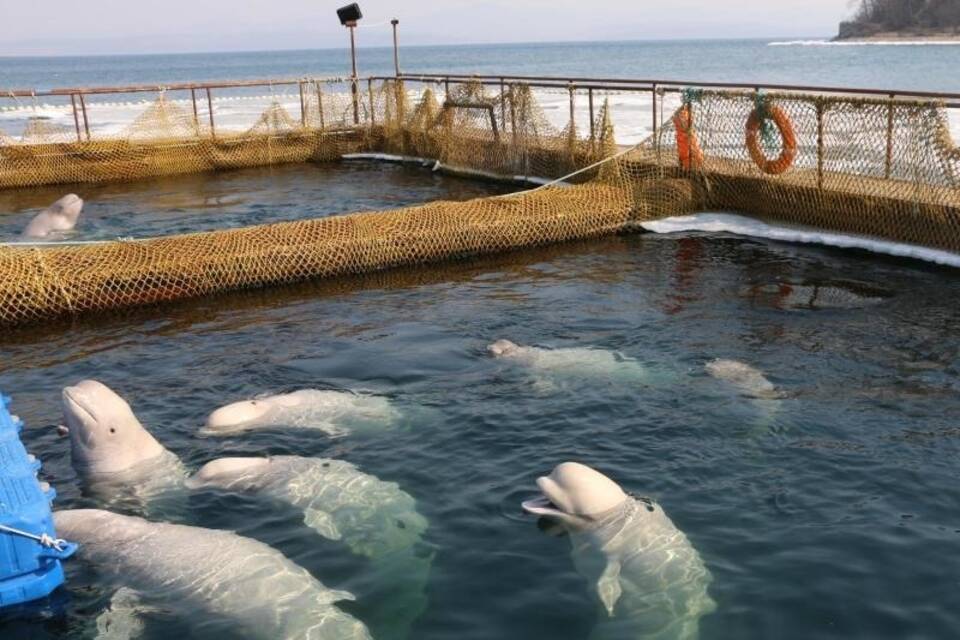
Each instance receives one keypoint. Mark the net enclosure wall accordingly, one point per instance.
(881, 167)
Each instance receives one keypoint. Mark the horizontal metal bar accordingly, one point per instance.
(179, 86)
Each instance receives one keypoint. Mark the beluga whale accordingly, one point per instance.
(335, 413)
(553, 366)
(59, 217)
(223, 582)
(649, 580)
(117, 458)
(746, 379)
(373, 518)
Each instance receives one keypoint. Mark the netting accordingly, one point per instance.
(884, 168)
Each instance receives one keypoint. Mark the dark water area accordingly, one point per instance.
(927, 67)
(830, 513)
(244, 197)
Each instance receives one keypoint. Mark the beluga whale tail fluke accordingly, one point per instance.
(336, 413)
(649, 580)
(219, 579)
(59, 217)
(111, 450)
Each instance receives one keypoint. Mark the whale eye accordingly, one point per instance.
(112, 430)
(401, 524)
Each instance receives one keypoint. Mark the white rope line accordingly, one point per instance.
(575, 173)
(44, 539)
(66, 243)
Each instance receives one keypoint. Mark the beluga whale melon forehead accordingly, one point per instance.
(647, 576)
(62, 215)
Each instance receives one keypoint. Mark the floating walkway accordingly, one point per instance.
(880, 166)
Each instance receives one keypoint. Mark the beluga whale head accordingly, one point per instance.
(503, 348)
(105, 435)
(576, 495)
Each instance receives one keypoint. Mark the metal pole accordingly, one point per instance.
(396, 47)
(86, 123)
(503, 105)
(213, 131)
(370, 94)
(819, 144)
(889, 161)
(196, 116)
(354, 81)
(320, 104)
(303, 107)
(653, 97)
(573, 117)
(76, 117)
(593, 125)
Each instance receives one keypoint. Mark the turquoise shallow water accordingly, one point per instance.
(832, 515)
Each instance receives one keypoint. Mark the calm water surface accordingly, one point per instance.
(833, 515)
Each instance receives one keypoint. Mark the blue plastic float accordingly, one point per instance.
(30, 552)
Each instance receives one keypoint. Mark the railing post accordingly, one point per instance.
(573, 115)
(503, 104)
(593, 125)
(303, 106)
(76, 117)
(86, 122)
(320, 104)
(213, 130)
(373, 119)
(653, 100)
(196, 116)
(820, 143)
(888, 166)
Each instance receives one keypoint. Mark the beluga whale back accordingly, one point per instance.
(217, 579)
(648, 578)
(551, 366)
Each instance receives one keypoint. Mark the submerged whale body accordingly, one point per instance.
(748, 380)
(577, 362)
(207, 577)
(333, 412)
(61, 216)
(375, 519)
(648, 578)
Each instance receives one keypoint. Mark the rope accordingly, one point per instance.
(44, 539)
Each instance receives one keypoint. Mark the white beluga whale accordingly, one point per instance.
(649, 579)
(229, 584)
(109, 448)
(375, 519)
(551, 366)
(746, 379)
(336, 413)
(61, 216)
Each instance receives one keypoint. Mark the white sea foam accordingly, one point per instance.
(741, 225)
(864, 43)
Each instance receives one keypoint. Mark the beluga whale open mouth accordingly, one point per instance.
(576, 494)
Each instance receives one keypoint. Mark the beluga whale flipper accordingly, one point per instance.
(553, 366)
(375, 519)
(61, 216)
(335, 413)
(228, 584)
(649, 580)
(117, 458)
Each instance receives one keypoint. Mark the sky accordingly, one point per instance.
(69, 27)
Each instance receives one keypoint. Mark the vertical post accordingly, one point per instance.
(691, 164)
(320, 104)
(819, 144)
(86, 122)
(396, 48)
(503, 105)
(355, 88)
(653, 99)
(573, 114)
(373, 119)
(76, 117)
(446, 88)
(303, 106)
(196, 116)
(888, 166)
(213, 131)
(593, 125)
(513, 116)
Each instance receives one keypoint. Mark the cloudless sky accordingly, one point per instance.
(66, 27)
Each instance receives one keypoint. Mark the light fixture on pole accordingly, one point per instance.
(349, 16)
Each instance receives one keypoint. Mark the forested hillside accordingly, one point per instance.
(908, 16)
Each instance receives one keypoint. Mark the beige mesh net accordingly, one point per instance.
(883, 168)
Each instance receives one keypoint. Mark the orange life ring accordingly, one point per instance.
(691, 157)
(789, 151)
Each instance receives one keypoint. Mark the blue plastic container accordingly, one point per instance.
(30, 552)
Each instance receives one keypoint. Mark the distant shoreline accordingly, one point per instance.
(903, 36)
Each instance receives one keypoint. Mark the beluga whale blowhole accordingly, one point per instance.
(648, 578)
(335, 413)
(59, 217)
(223, 582)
